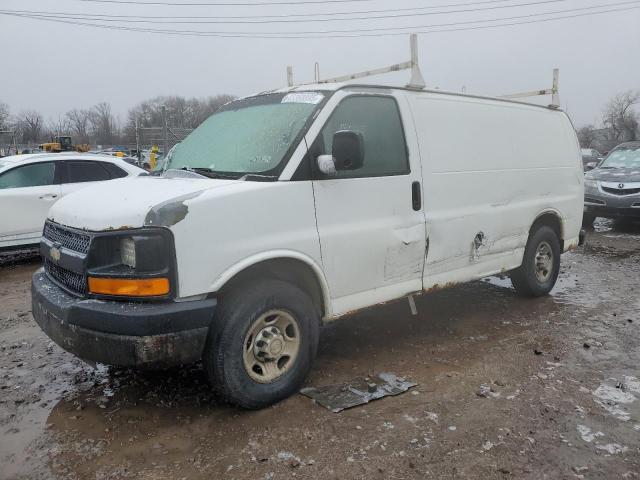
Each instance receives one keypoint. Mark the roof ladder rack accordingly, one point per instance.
(416, 81)
(553, 91)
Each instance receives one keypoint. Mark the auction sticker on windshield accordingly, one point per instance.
(313, 98)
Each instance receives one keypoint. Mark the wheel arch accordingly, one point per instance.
(550, 218)
(291, 266)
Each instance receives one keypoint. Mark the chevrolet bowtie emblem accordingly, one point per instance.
(54, 252)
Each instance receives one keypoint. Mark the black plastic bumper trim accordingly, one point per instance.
(122, 333)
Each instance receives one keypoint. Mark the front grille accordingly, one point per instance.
(73, 281)
(76, 241)
(623, 191)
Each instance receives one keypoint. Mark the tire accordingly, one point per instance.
(587, 220)
(234, 339)
(528, 279)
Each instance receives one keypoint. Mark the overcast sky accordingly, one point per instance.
(54, 67)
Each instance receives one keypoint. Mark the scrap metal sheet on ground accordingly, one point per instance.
(358, 391)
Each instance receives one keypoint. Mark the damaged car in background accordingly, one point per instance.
(612, 189)
(296, 207)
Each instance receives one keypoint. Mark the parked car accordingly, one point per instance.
(590, 158)
(612, 190)
(292, 208)
(31, 184)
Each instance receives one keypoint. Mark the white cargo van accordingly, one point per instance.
(295, 207)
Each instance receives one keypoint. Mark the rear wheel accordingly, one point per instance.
(262, 343)
(540, 265)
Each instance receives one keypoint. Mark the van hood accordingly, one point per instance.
(132, 202)
(628, 175)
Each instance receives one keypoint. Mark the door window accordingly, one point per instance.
(81, 171)
(377, 119)
(114, 171)
(33, 175)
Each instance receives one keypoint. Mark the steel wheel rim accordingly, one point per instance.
(543, 262)
(271, 346)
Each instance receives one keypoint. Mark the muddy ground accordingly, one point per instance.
(507, 388)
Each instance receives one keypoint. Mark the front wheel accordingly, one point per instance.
(262, 343)
(540, 265)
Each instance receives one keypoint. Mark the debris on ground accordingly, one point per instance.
(358, 391)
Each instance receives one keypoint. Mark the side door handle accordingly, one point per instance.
(48, 196)
(416, 196)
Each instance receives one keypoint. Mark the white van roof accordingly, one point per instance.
(334, 86)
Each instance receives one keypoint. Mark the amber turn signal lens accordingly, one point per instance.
(129, 287)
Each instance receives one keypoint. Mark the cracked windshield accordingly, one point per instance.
(247, 136)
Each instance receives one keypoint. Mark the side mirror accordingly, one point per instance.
(591, 165)
(326, 164)
(348, 150)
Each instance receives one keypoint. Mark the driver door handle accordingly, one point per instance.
(48, 196)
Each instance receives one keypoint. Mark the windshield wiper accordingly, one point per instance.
(207, 172)
(256, 177)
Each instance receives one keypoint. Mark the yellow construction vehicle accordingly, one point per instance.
(62, 144)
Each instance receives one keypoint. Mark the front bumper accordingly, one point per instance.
(603, 204)
(122, 333)
(611, 212)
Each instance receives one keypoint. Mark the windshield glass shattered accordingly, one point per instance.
(623, 158)
(247, 136)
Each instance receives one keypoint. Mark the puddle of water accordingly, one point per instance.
(20, 445)
(562, 291)
(616, 399)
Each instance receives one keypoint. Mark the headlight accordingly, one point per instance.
(591, 184)
(128, 252)
(132, 263)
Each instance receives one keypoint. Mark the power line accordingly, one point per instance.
(252, 34)
(288, 15)
(224, 4)
(132, 19)
(194, 33)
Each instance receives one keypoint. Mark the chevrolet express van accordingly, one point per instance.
(295, 207)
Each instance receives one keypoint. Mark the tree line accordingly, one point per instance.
(98, 125)
(620, 122)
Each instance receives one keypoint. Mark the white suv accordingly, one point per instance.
(30, 184)
(295, 207)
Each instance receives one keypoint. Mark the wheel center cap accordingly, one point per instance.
(275, 347)
(269, 344)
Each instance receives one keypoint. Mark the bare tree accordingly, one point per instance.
(181, 112)
(587, 136)
(4, 116)
(103, 124)
(58, 126)
(621, 118)
(79, 121)
(29, 123)
(207, 107)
